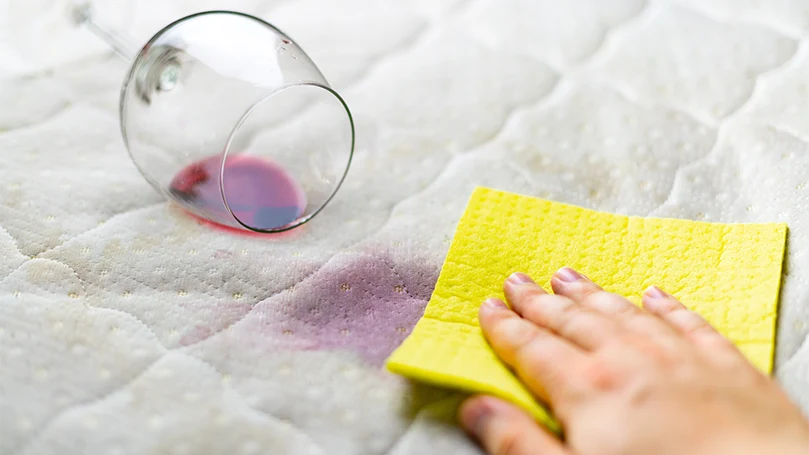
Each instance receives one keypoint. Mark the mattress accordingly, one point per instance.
(127, 327)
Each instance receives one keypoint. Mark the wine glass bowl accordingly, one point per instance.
(229, 117)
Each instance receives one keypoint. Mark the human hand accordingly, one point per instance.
(624, 380)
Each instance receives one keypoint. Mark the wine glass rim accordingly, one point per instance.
(300, 221)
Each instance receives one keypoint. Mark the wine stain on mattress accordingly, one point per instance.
(357, 302)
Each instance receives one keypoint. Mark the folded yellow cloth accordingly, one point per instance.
(728, 273)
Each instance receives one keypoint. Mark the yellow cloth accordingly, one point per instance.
(728, 273)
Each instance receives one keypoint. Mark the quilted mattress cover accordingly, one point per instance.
(127, 327)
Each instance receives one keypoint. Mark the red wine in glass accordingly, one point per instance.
(259, 192)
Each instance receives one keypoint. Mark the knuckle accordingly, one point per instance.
(537, 307)
(717, 346)
(534, 351)
(700, 328)
(602, 376)
(659, 353)
(526, 294)
(567, 306)
(628, 311)
(669, 306)
(509, 443)
(530, 292)
(571, 317)
(514, 332)
(608, 301)
(592, 298)
(690, 322)
(586, 288)
(641, 323)
(538, 359)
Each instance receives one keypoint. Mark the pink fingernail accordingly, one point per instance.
(520, 278)
(569, 275)
(655, 292)
(495, 304)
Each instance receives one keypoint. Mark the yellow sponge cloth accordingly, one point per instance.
(728, 273)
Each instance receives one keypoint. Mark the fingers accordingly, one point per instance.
(544, 361)
(579, 288)
(503, 429)
(628, 317)
(690, 324)
(579, 324)
(662, 304)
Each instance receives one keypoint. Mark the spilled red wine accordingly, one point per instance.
(260, 193)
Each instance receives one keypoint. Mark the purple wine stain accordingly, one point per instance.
(358, 303)
(260, 193)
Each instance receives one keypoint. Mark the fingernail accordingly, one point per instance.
(655, 292)
(569, 275)
(520, 278)
(495, 304)
(475, 418)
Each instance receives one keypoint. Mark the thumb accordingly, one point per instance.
(504, 429)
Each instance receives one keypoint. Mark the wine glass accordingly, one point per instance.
(226, 115)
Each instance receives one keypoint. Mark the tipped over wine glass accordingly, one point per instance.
(227, 116)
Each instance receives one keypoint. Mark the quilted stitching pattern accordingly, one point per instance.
(729, 273)
(570, 101)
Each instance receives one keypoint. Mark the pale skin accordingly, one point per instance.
(625, 380)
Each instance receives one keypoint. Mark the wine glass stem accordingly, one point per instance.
(123, 45)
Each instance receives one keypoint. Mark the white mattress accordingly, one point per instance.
(128, 328)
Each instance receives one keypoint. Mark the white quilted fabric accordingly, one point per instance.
(128, 328)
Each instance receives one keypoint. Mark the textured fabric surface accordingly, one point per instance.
(728, 273)
(126, 327)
